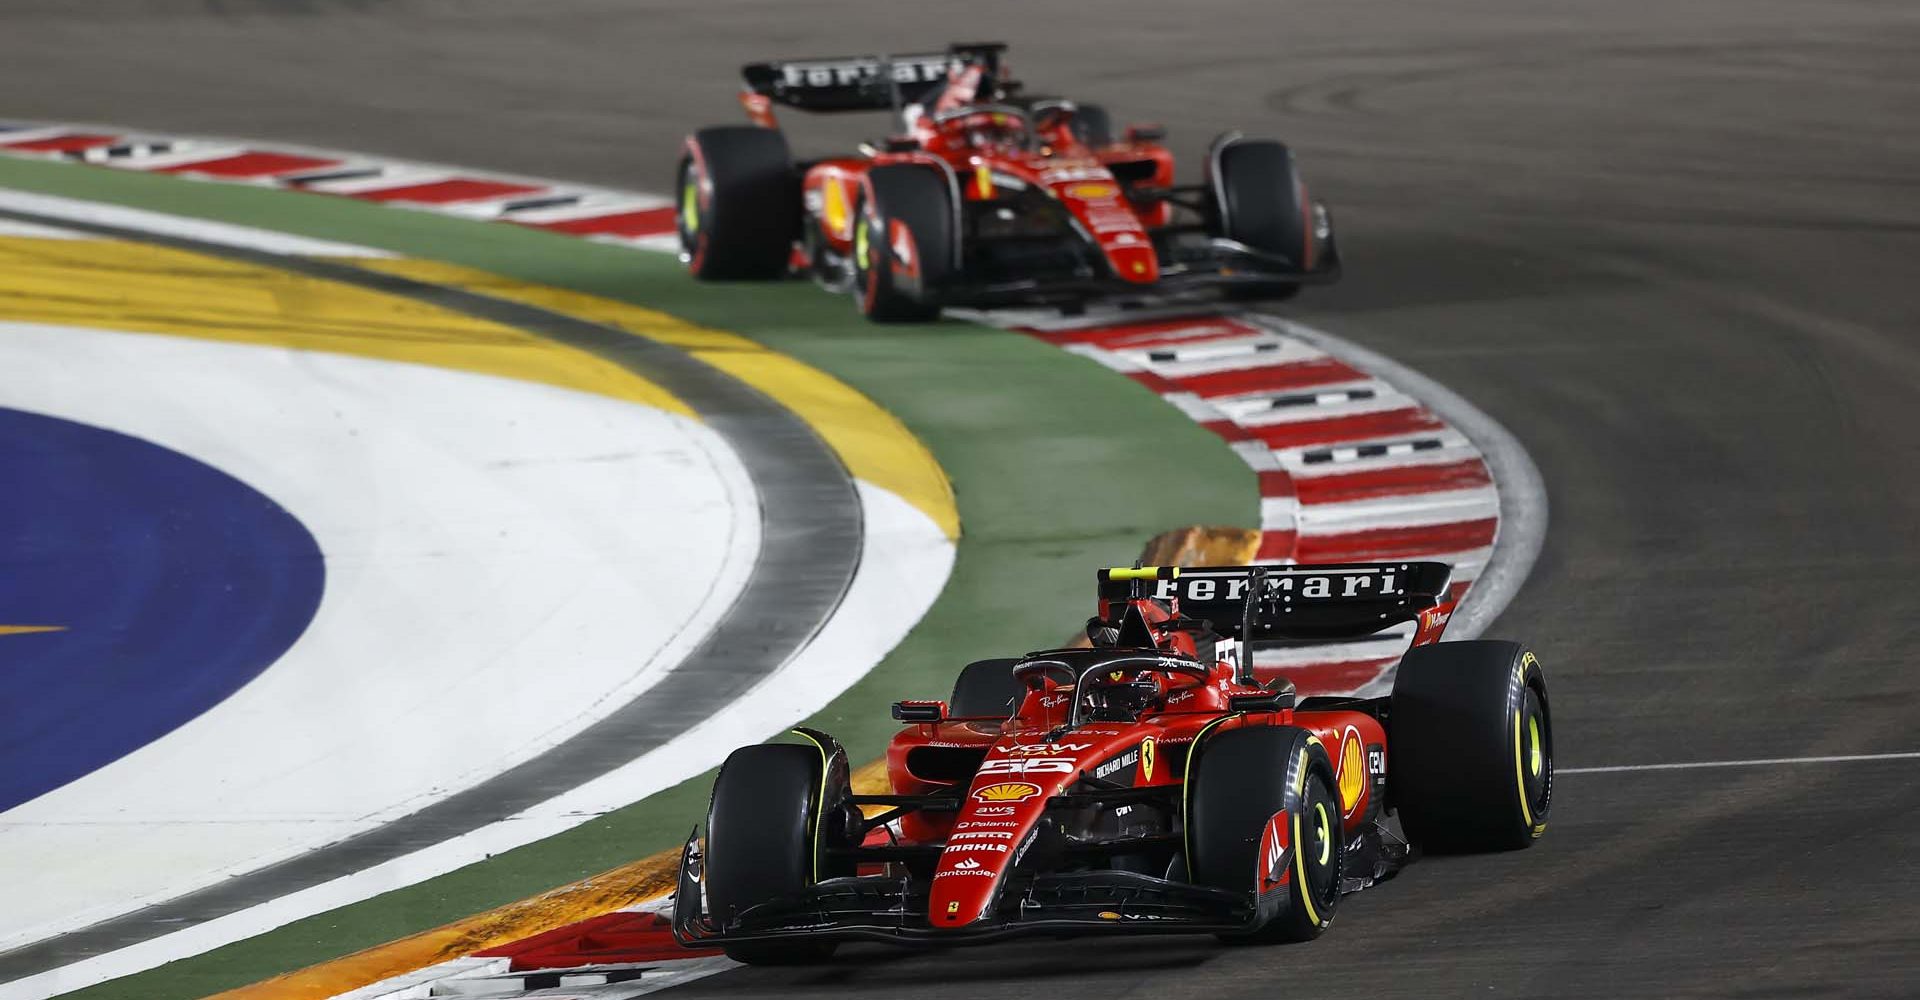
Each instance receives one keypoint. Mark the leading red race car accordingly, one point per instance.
(987, 197)
(1146, 783)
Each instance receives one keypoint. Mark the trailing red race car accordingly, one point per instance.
(987, 196)
(1146, 783)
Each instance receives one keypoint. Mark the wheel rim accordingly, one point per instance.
(690, 203)
(688, 217)
(1317, 857)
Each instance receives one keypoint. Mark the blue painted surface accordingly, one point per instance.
(176, 584)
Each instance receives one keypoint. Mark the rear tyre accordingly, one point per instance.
(1248, 789)
(986, 689)
(766, 839)
(1470, 764)
(1262, 202)
(737, 203)
(903, 243)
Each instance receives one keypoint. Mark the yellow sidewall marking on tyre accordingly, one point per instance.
(874, 445)
(140, 288)
(1519, 759)
(690, 204)
(1301, 884)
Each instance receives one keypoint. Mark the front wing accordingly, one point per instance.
(889, 909)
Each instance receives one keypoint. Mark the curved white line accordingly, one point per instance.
(507, 562)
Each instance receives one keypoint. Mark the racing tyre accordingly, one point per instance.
(986, 689)
(903, 242)
(738, 203)
(1262, 202)
(1262, 814)
(1470, 744)
(767, 833)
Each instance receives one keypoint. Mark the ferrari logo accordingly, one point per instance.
(1146, 759)
(953, 908)
(1115, 676)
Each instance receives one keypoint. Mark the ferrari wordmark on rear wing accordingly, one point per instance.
(863, 83)
(1254, 603)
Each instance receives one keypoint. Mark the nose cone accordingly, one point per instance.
(1134, 263)
(999, 813)
(1098, 201)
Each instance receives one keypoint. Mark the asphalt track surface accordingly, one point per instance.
(1670, 246)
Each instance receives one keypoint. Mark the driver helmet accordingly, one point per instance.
(986, 130)
(1122, 695)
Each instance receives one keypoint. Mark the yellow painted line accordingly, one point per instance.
(138, 288)
(873, 444)
(30, 629)
(646, 879)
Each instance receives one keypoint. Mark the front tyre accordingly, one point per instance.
(769, 825)
(737, 203)
(1262, 815)
(1470, 744)
(1260, 200)
(903, 242)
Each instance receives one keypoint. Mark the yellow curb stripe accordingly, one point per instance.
(139, 288)
(872, 443)
(30, 629)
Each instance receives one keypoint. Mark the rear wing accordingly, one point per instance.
(1265, 603)
(864, 83)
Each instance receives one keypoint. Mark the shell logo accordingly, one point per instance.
(1008, 791)
(1092, 192)
(1353, 770)
(834, 212)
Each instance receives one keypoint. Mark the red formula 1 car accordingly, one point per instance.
(987, 197)
(1145, 783)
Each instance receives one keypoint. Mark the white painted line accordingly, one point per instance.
(394, 176)
(8, 227)
(224, 234)
(1756, 762)
(1454, 447)
(590, 206)
(178, 156)
(1324, 394)
(1409, 510)
(1197, 409)
(1324, 407)
(905, 564)
(477, 609)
